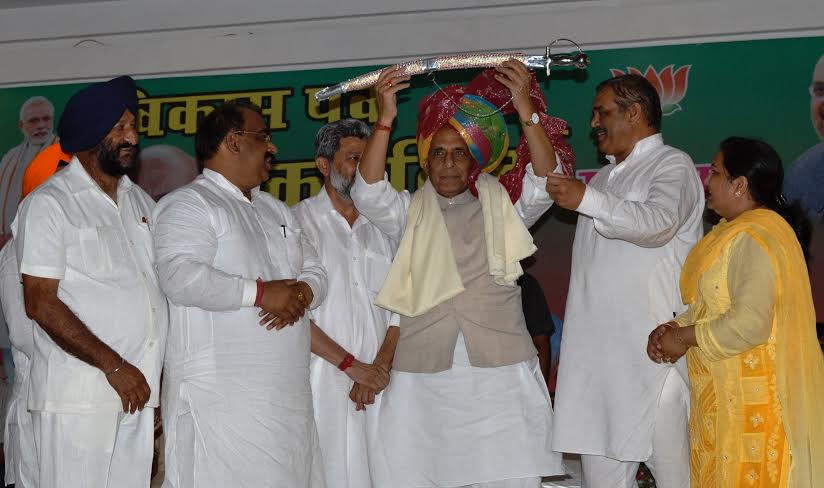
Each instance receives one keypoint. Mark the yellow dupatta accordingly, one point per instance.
(799, 361)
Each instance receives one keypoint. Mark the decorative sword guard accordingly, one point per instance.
(546, 62)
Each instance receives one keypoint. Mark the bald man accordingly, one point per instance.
(163, 168)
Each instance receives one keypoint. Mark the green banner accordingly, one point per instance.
(709, 91)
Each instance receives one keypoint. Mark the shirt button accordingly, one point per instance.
(151, 343)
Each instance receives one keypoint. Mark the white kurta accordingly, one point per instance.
(638, 221)
(356, 259)
(237, 405)
(468, 424)
(18, 444)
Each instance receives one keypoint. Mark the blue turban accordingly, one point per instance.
(90, 114)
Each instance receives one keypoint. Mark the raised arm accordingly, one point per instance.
(515, 76)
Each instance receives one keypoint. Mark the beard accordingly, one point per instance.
(110, 161)
(40, 139)
(341, 183)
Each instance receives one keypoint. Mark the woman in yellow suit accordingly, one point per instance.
(755, 366)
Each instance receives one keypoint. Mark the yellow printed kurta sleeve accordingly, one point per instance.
(748, 322)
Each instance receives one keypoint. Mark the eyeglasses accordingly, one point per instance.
(264, 135)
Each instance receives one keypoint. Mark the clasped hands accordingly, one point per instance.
(284, 302)
(370, 379)
(665, 344)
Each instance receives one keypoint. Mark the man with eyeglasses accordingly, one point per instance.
(237, 405)
(806, 176)
(467, 404)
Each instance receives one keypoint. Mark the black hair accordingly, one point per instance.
(633, 88)
(760, 164)
(212, 130)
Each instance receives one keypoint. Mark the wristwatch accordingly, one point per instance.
(533, 119)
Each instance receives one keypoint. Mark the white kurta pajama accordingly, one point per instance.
(636, 224)
(18, 443)
(468, 425)
(237, 405)
(101, 253)
(356, 259)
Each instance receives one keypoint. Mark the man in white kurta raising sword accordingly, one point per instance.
(467, 404)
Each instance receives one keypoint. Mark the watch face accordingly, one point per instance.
(535, 119)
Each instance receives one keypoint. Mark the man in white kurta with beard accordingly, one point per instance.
(638, 219)
(237, 406)
(467, 405)
(353, 340)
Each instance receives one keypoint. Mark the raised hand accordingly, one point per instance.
(514, 75)
(390, 82)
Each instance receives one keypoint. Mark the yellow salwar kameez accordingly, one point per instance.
(757, 375)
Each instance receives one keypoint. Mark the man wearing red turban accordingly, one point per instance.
(467, 404)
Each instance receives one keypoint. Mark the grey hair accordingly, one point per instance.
(33, 101)
(327, 141)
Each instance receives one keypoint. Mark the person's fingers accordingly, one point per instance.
(370, 398)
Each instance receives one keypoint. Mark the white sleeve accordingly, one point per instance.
(534, 200)
(39, 237)
(313, 273)
(185, 244)
(673, 195)
(382, 205)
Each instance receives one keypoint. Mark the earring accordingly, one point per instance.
(738, 194)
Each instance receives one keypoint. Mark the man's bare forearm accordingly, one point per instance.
(69, 332)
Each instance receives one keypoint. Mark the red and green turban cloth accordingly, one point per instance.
(473, 111)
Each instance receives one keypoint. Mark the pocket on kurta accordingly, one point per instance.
(102, 251)
(377, 267)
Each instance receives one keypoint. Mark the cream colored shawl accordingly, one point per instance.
(424, 273)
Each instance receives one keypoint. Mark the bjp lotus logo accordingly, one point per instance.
(671, 86)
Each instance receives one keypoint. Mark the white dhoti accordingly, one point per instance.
(346, 435)
(670, 446)
(95, 450)
(240, 420)
(18, 443)
(468, 426)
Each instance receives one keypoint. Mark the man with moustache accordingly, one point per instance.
(237, 404)
(353, 339)
(637, 220)
(36, 119)
(85, 253)
(467, 405)
(804, 180)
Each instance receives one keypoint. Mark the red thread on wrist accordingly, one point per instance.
(347, 361)
(259, 295)
(379, 126)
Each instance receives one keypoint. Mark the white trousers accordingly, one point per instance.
(513, 483)
(98, 450)
(670, 458)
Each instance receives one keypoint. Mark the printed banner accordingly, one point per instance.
(708, 92)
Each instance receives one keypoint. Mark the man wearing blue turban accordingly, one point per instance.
(85, 252)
